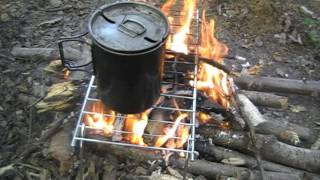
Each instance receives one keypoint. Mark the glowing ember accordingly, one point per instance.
(203, 117)
(98, 120)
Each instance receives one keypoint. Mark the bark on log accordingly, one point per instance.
(266, 99)
(199, 167)
(269, 147)
(281, 85)
(220, 153)
(28, 53)
(281, 129)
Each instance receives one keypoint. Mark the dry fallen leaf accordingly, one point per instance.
(255, 70)
(58, 98)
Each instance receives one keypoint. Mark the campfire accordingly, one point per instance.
(175, 112)
(198, 97)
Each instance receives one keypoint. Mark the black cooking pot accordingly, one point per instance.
(128, 41)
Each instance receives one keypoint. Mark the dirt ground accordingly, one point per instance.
(281, 38)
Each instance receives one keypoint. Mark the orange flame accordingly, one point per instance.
(212, 81)
(136, 123)
(66, 73)
(98, 120)
(170, 132)
(177, 42)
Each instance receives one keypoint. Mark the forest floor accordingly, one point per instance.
(280, 38)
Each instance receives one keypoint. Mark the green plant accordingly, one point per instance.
(313, 30)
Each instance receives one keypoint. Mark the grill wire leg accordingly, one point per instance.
(81, 153)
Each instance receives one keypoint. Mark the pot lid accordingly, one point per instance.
(129, 27)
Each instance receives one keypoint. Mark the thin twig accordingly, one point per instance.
(212, 62)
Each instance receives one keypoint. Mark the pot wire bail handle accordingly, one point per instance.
(68, 63)
(131, 27)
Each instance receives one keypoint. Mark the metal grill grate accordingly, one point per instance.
(81, 129)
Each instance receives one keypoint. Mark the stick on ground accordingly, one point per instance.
(281, 85)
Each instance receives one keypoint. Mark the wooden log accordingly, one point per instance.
(281, 85)
(281, 129)
(213, 170)
(219, 154)
(266, 99)
(30, 53)
(268, 146)
(199, 167)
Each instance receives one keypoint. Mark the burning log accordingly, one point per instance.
(271, 84)
(221, 154)
(269, 147)
(266, 99)
(285, 131)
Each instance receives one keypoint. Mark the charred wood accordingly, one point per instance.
(269, 147)
(281, 85)
(212, 62)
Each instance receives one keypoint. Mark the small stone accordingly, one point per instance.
(141, 171)
(19, 112)
(1, 108)
(4, 17)
(280, 72)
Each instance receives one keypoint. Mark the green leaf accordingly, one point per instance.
(309, 21)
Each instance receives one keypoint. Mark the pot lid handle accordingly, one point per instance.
(131, 27)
